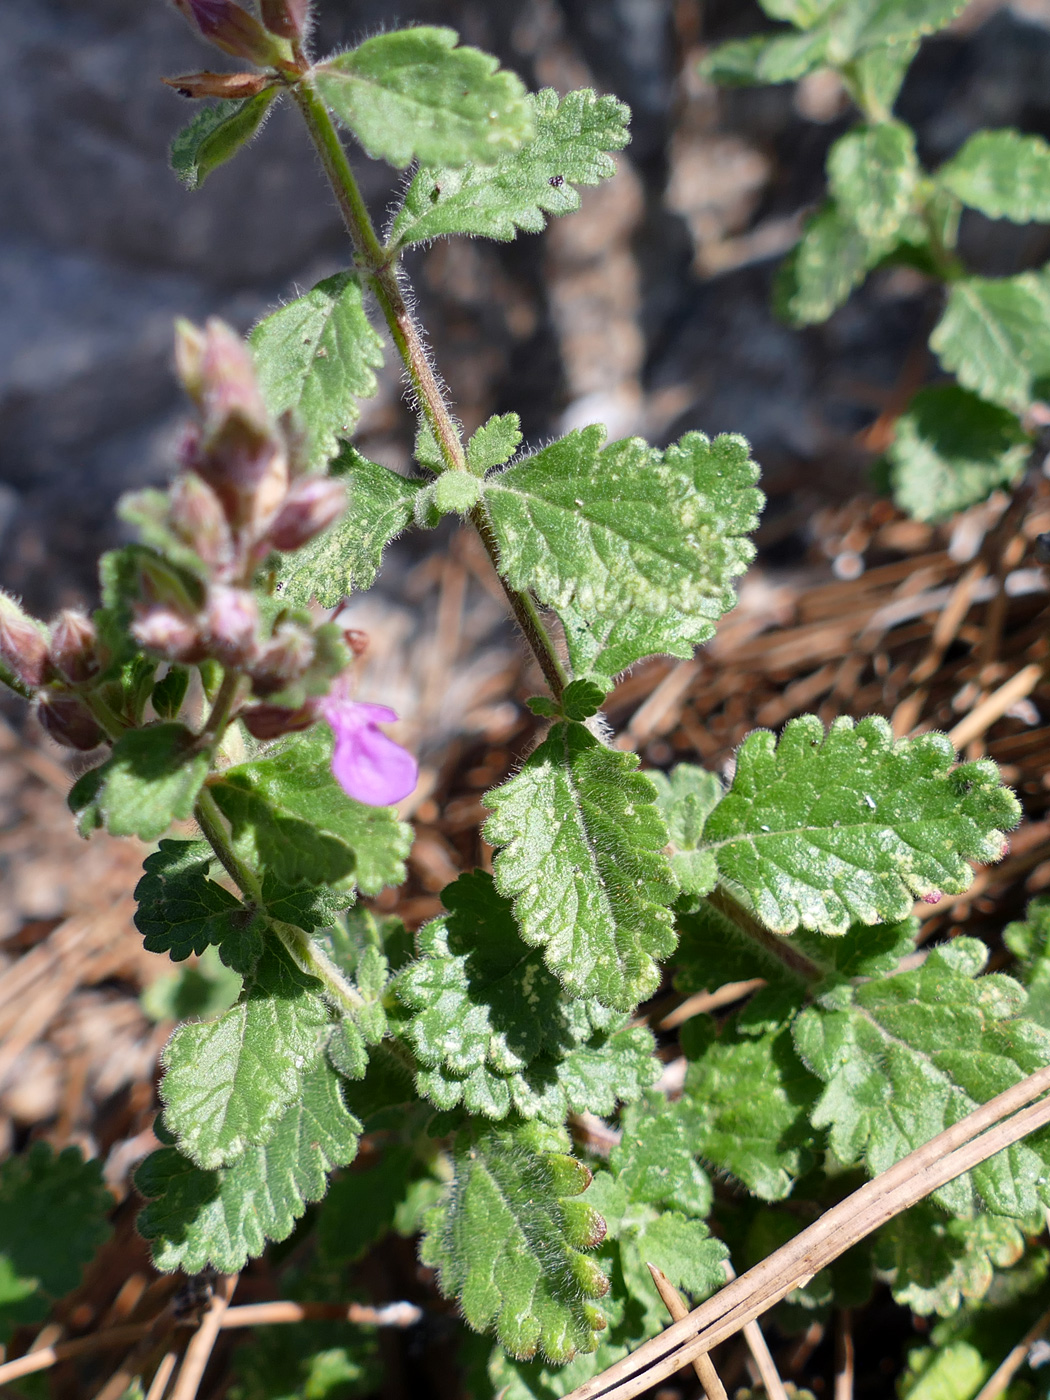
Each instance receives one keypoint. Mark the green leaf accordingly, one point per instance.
(360, 1206)
(1029, 941)
(494, 1030)
(507, 1244)
(1003, 174)
(228, 1081)
(583, 862)
(804, 14)
(217, 133)
(872, 176)
(995, 336)
(347, 557)
(53, 1211)
(414, 94)
(860, 25)
(291, 818)
(653, 1162)
(180, 911)
(686, 798)
(197, 1219)
(938, 1262)
(952, 449)
(304, 906)
(745, 1106)
(316, 356)
(904, 1057)
(151, 779)
(954, 1372)
(607, 534)
(570, 147)
(170, 691)
(494, 443)
(875, 77)
(851, 826)
(581, 699)
(831, 259)
(762, 59)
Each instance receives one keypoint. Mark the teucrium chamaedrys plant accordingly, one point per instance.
(956, 441)
(218, 681)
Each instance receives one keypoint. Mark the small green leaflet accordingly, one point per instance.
(686, 797)
(875, 77)
(952, 1372)
(494, 443)
(415, 94)
(951, 450)
(745, 1105)
(569, 148)
(291, 817)
(583, 861)
(653, 1161)
(872, 175)
(347, 557)
(824, 830)
(628, 529)
(860, 25)
(151, 779)
(507, 1243)
(937, 1262)
(832, 258)
(53, 1219)
(761, 59)
(804, 14)
(1029, 941)
(1003, 174)
(904, 1057)
(316, 356)
(197, 1219)
(228, 1081)
(995, 337)
(217, 133)
(180, 911)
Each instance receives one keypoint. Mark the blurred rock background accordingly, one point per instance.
(649, 311)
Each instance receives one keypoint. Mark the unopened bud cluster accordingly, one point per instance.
(51, 662)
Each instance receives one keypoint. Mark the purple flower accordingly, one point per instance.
(367, 765)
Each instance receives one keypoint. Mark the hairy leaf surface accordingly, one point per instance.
(291, 817)
(686, 797)
(316, 356)
(995, 336)
(180, 910)
(938, 1263)
(849, 826)
(347, 557)
(570, 147)
(951, 450)
(583, 861)
(151, 779)
(216, 133)
(904, 1057)
(508, 1241)
(872, 175)
(831, 259)
(417, 94)
(197, 1219)
(1003, 174)
(229, 1081)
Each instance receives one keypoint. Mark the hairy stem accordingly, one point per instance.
(780, 948)
(380, 265)
(225, 701)
(312, 959)
(209, 819)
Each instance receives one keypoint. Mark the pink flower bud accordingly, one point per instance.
(284, 658)
(227, 378)
(72, 649)
(933, 897)
(69, 721)
(285, 17)
(23, 645)
(271, 721)
(367, 764)
(197, 516)
(231, 624)
(230, 28)
(312, 504)
(167, 633)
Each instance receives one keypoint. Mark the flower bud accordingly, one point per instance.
(248, 470)
(23, 646)
(197, 516)
(227, 85)
(285, 17)
(69, 721)
(189, 356)
(231, 29)
(227, 378)
(356, 640)
(271, 721)
(312, 504)
(72, 649)
(284, 658)
(231, 624)
(167, 633)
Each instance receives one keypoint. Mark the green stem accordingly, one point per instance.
(379, 263)
(209, 819)
(223, 706)
(107, 718)
(780, 948)
(312, 959)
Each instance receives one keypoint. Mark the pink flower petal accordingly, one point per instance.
(368, 765)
